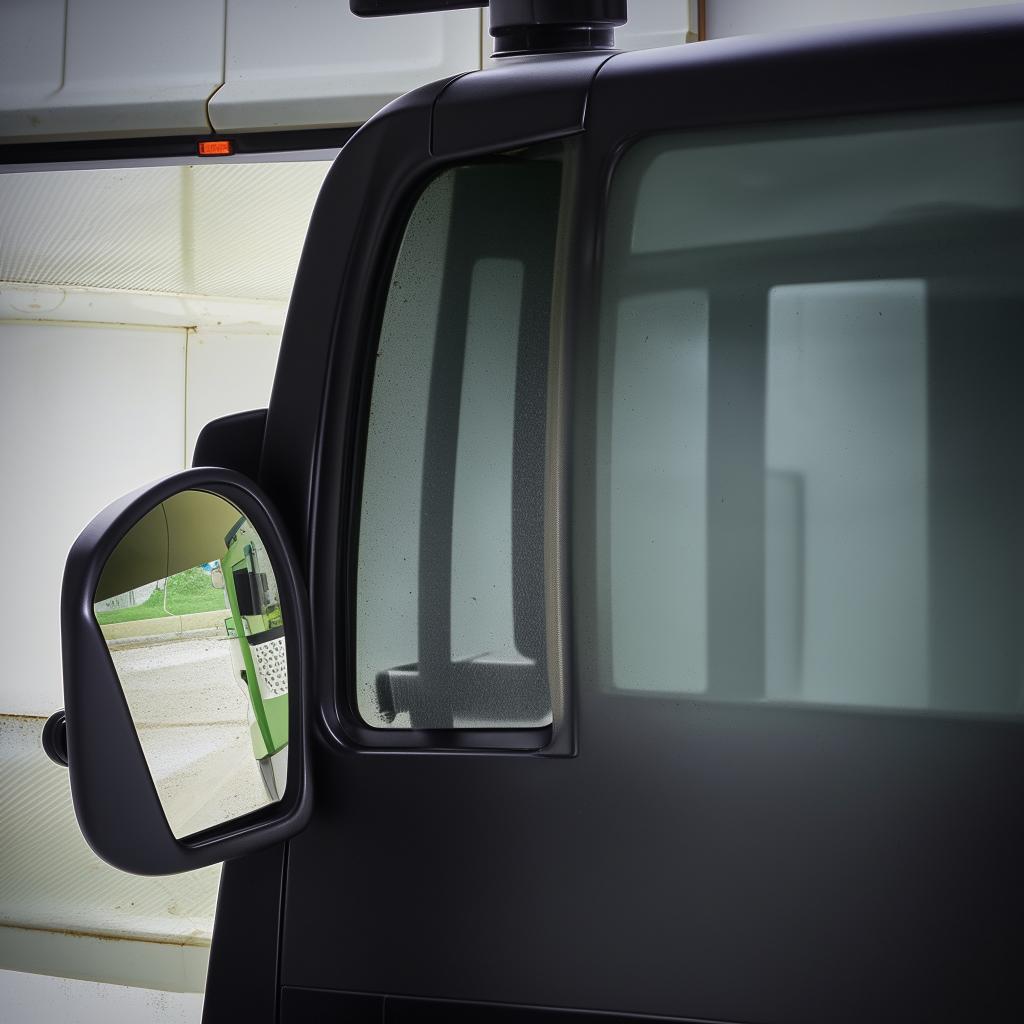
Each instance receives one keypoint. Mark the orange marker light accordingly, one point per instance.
(216, 147)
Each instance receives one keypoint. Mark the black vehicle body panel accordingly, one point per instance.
(242, 979)
(514, 104)
(716, 861)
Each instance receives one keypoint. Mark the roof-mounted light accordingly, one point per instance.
(215, 147)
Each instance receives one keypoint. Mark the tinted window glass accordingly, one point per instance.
(451, 608)
(809, 417)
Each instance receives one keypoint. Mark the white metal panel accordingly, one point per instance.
(222, 229)
(131, 68)
(31, 60)
(655, 23)
(87, 413)
(30, 999)
(745, 17)
(144, 963)
(249, 223)
(311, 63)
(227, 373)
(94, 228)
(104, 306)
(53, 882)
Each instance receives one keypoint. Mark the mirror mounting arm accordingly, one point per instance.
(233, 442)
(55, 738)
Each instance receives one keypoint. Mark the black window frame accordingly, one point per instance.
(350, 251)
(506, 739)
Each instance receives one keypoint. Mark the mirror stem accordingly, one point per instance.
(55, 738)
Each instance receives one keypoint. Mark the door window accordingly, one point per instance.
(452, 611)
(809, 419)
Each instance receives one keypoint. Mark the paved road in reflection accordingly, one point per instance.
(191, 717)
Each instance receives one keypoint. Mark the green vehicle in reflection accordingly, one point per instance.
(256, 632)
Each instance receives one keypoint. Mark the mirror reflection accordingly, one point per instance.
(189, 607)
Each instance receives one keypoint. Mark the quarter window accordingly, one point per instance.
(452, 616)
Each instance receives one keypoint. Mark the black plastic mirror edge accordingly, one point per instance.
(115, 799)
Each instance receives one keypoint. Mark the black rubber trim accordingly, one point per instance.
(172, 146)
(266, 635)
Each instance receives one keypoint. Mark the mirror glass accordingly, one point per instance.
(189, 607)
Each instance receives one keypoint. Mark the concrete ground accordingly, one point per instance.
(192, 719)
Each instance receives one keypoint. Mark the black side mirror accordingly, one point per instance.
(187, 668)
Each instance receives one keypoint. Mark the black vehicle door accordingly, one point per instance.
(650, 428)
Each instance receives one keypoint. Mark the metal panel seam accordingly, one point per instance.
(223, 71)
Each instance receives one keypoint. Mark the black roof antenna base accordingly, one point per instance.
(550, 26)
(522, 27)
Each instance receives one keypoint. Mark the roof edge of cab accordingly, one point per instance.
(529, 99)
(824, 70)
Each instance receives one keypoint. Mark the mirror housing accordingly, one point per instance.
(115, 798)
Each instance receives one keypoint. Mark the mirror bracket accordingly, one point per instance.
(233, 442)
(55, 738)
